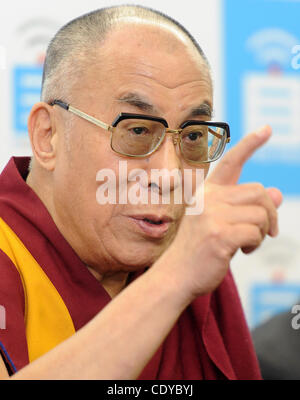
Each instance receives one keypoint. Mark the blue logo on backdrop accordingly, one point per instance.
(27, 86)
(268, 299)
(262, 50)
(30, 41)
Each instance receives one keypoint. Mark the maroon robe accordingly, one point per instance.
(210, 340)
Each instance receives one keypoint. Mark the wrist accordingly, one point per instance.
(172, 272)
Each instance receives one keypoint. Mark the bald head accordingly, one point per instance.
(76, 45)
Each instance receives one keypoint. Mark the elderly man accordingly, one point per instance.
(123, 290)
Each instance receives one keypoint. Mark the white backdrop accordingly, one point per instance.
(25, 30)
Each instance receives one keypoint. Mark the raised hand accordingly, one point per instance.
(235, 216)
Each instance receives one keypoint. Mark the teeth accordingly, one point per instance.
(153, 222)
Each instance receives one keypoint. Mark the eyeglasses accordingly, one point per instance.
(137, 135)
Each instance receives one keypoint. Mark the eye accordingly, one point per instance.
(195, 135)
(139, 130)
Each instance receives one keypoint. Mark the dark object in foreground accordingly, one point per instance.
(277, 345)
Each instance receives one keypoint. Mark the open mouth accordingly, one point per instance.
(150, 221)
(153, 226)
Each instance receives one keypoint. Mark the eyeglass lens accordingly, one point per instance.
(138, 137)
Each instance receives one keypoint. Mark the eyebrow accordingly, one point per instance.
(137, 101)
(203, 110)
(134, 99)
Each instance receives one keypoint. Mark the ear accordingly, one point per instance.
(42, 134)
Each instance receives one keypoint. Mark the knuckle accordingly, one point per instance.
(274, 217)
(259, 189)
(262, 215)
(215, 230)
(256, 236)
(217, 240)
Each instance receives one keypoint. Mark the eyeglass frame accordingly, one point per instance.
(123, 116)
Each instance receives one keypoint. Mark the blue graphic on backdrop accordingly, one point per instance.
(262, 39)
(27, 87)
(268, 299)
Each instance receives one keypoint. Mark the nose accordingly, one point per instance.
(166, 165)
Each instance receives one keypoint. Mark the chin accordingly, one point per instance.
(138, 258)
(144, 253)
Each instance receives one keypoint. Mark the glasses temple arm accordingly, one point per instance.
(89, 118)
(217, 134)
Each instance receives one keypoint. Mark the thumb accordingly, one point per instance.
(229, 169)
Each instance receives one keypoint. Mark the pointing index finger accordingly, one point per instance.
(229, 169)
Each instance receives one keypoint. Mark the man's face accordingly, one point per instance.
(143, 70)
